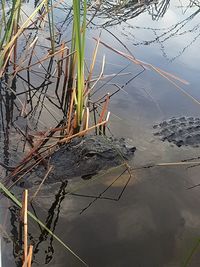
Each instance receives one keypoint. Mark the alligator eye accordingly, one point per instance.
(89, 154)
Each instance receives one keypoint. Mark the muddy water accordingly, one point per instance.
(152, 218)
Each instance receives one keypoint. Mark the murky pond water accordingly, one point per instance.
(152, 218)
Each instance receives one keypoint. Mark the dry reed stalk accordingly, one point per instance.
(179, 87)
(66, 139)
(70, 111)
(31, 20)
(29, 139)
(65, 82)
(26, 170)
(25, 223)
(110, 75)
(30, 254)
(25, 58)
(29, 156)
(177, 163)
(62, 56)
(11, 43)
(104, 108)
(15, 47)
(54, 130)
(143, 64)
(44, 59)
(42, 16)
(20, 167)
(74, 123)
(103, 112)
(173, 76)
(6, 62)
(86, 119)
(59, 68)
(27, 263)
(93, 63)
(164, 74)
(99, 78)
(71, 136)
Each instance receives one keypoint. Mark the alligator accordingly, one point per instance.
(85, 157)
(181, 131)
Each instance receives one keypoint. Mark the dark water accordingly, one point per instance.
(151, 219)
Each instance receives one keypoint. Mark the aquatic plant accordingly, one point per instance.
(78, 45)
(8, 27)
(49, 9)
(11, 30)
(64, 68)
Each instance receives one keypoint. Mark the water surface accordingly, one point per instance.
(155, 221)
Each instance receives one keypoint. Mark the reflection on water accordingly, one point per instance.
(16, 235)
(51, 222)
(115, 12)
(7, 98)
(148, 219)
(159, 22)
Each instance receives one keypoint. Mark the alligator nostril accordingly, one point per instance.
(88, 176)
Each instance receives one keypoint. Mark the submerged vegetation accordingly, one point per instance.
(44, 74)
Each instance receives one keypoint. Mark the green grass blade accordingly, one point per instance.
(3, 6)
(79, 32)
(192, 252)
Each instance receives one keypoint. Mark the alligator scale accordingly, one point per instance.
(181, 131)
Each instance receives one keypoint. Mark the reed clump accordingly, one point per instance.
(62, 65)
